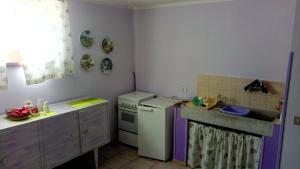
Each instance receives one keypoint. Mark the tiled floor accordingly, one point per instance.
(117, 156)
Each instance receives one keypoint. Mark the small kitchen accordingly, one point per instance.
(145, 84)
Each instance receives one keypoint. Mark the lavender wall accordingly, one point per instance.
(290, 148)
(239, 38)
(180, 137)
(101, 20)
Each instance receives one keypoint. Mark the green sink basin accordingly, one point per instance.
(85, 102)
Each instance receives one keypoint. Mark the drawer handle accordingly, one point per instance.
(71, 135)
(147, 110)
(85, 131)
(4, 161)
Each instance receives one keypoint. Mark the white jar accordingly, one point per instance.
(40, 105)
(46, 107)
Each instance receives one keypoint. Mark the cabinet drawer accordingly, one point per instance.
(20, 148)
(93, 127)
(60, 139)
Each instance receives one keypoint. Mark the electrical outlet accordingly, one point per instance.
(297, 120)
(184, 89)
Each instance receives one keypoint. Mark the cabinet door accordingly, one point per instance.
(20, 148)
(60, 139)
(152, 132)
(93, 127)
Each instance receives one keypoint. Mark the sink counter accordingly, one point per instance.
(217, 118)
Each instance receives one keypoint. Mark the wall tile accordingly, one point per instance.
(258, 101)
(232, 89)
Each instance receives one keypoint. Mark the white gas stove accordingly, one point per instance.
(127, 116)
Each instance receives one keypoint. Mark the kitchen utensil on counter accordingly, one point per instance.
(257, 85)
(198, 101)
(46, 107)
(40, 104)
(209, 102)
(28, 104)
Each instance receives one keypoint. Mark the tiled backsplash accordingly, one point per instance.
(232, 90)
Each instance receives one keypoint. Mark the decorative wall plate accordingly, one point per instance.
(86, 38)
(106, 66)
(107, 45)
(87, 62)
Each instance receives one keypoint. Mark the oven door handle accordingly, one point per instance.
(145, 109)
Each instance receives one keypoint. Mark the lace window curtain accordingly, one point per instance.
(39, 31)
(212, 148)
(3, 77)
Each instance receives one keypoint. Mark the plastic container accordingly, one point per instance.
(198, 101)
(235, 110)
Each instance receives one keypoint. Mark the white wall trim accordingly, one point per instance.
(174, 4)
(110, 3)
(159, 5)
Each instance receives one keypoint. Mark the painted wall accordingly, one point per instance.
(238, 38)
(290, 149)
(101, 20)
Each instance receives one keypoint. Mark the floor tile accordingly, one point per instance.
(151, 160)
(165, 165)
(123, 148)
(140, 163)
(125, 167)
(130, 154)
(102, 160)
(108, 151)
(119, 156)
(103, 167)
(115, 163)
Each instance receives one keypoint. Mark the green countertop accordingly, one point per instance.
(85, 102)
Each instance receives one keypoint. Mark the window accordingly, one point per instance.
(37, 34)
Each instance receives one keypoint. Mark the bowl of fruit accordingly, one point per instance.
(18, 114)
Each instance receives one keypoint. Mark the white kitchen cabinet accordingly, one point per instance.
(60, 139)
(49, 142)
(93, 127)
(20, 148)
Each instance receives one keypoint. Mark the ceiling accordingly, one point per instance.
(140, 4)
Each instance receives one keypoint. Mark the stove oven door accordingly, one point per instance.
(127, 120)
